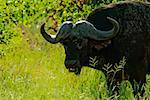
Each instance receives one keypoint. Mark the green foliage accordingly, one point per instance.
(30, 68)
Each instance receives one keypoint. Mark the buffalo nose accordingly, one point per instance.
(70, 62)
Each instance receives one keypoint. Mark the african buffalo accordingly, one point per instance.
(108, 33)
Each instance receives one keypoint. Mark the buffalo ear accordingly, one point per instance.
(99, 44)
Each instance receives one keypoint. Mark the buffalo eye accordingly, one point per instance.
(79, 45)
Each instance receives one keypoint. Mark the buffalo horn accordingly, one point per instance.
(62, 33)
(87, 30)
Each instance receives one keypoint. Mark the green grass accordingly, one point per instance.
(40, 73)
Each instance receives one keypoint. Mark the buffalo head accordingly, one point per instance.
(75, 39)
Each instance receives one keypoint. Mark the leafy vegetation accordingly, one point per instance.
(31, 68)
